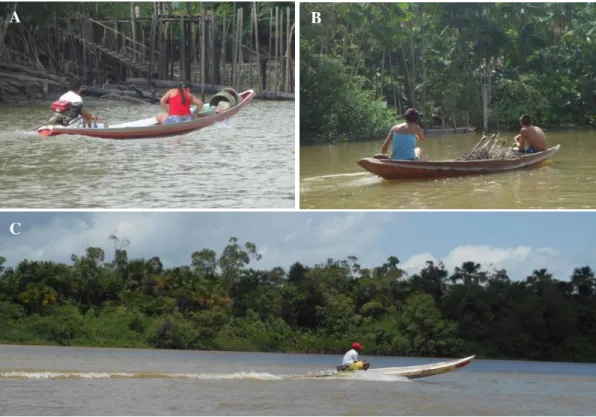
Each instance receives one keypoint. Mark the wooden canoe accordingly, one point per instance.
(423, 371)
(410, 372)
(394, 169)
(148, 128)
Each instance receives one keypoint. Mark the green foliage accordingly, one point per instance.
(537, 58)
(333, 103)
(113, 326)
(171, 332)
(423, 327)
(219, 303)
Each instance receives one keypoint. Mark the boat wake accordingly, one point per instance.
(260, 376)
(25, 133)
(133, 375)
(325, 177)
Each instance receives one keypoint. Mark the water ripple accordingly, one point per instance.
(244, 162)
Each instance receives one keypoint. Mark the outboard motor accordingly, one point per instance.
(64, 112)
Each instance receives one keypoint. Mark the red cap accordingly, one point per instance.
(356, 345)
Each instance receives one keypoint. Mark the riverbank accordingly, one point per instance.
(22, 85)
(438, 134)
(144, 346)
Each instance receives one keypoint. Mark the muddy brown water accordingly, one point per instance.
(247, 161)
(332, 179)
(86, 381)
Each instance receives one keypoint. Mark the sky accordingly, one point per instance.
(520, 242)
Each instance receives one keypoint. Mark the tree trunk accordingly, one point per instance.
(484, 105)
(410, 83)
(412, 49)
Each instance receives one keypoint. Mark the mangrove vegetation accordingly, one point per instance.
(459, 64)
(219, 302)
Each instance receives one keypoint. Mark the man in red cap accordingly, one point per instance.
(350, 360)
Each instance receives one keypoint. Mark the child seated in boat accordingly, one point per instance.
(404, 138)
(180, 100)
(531, 139)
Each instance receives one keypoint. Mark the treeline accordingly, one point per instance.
(482, 63)
(219, 303)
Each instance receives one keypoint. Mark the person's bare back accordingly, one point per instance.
(531, 138)
(534, 137)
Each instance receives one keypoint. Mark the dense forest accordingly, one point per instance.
(219, 302)
(484, 64)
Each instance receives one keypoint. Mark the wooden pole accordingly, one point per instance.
(239, 43)
(84, 51)
(240, 40)
(254, 7)
(182, 49)
(153, 28)
(251, 46)
(288, 43)
(133, 23)
(225, 40)
(163, 50)
(202, 51)
(171, 45)
(190, 51)
(213, 26)
(193, 37)
(117, 46)
(270, 29)
(234, 37)
(276, 47)
(286, 54)
(280, 67)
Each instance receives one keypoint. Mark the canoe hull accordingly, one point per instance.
(149, 132)
(423, 371)
(393, 170)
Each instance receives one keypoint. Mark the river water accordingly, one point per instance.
(83, 381)
(247, 161)
(332, 179)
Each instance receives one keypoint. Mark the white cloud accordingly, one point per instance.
(282, 238)
(519, 261)
(417, 262)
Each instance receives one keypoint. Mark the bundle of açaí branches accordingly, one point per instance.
(490, 148)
